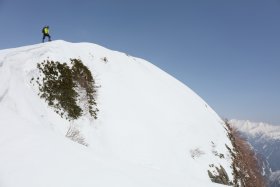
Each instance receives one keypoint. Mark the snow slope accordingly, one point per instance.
(146, 134)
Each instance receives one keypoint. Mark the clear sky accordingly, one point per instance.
(227, 51)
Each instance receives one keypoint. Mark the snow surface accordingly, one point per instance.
(148, 126)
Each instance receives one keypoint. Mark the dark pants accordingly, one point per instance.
(46, 35)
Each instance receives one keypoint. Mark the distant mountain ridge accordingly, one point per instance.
(265, 140)
(264, 130)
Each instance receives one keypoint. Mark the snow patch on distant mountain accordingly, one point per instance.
(265, 140)
(262, 130)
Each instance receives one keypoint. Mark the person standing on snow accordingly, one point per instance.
(45, 32)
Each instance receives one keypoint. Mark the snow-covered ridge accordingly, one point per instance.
(257, 128)
(148, 128)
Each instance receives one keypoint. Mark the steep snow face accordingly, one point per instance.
(151, 130)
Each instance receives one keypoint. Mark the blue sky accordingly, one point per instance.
(228, 52)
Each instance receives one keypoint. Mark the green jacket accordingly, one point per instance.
(46, 30)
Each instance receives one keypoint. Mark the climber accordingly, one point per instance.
(45, 32)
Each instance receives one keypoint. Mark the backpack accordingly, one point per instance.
(43, 30)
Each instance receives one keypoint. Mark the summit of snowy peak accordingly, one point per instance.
(151, 129)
